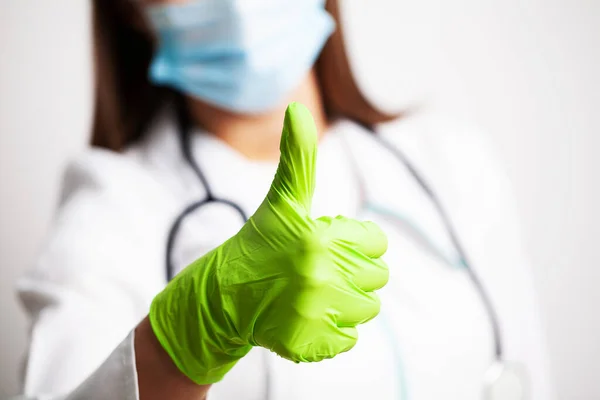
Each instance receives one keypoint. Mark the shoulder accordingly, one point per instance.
(149, 172)
(444, 137)
(104, 173)
(115, 211)
(110, 225)
(455, 153)
(112, 185)
(461, 164)
(143, 182)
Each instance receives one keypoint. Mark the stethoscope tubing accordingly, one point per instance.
(209, 197)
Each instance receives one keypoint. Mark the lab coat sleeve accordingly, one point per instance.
(112, 380)
(92, 283)
(116, 377)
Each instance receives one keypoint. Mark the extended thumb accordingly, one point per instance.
(295, 177)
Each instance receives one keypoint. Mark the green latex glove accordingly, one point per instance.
(286, 282)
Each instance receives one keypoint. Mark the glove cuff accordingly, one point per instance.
(188, 320)
(211, 369)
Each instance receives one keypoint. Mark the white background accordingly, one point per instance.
(526, 71)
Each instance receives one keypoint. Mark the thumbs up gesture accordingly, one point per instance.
(286, 282)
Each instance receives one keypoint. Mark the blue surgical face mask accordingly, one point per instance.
(245, 56)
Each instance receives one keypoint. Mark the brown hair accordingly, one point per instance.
(126, 102)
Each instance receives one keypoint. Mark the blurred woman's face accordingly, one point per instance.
(243, 56)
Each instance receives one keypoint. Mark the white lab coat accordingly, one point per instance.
(104, 261)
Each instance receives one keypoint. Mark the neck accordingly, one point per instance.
(257, 136)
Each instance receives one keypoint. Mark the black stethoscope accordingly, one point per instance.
(502, 381)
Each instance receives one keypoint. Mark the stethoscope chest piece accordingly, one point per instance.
(506, 381)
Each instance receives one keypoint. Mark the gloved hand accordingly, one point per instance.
(286, 282)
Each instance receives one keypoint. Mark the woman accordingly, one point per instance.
(198, 116)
